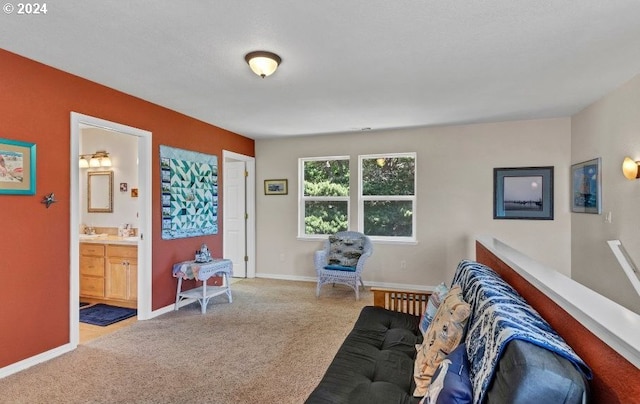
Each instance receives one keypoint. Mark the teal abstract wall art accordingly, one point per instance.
(189, 186)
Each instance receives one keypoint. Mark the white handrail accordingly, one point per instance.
(626, 263)
(614, 324)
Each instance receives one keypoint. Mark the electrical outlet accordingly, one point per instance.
(281, 257)
(403, 264)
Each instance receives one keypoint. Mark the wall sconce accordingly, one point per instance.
(630, 168)
(263, 63)
(98, 159)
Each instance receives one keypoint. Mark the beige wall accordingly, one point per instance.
(610, 129)
(455, 198)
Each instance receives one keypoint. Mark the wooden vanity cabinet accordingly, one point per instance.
(92, 270)
(109, 272)
(121, 272)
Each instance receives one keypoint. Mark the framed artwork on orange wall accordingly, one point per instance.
(17, 167)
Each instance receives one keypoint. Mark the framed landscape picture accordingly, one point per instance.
(275, 187)
(586, 187)
(523, 193)
(17, 167)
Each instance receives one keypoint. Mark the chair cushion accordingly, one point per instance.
(345, 251)
(443, 336)
(340, 268)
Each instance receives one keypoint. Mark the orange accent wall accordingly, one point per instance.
(36, 102)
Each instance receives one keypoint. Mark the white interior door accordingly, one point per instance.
(235, 216)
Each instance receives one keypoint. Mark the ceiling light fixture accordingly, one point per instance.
(263, 63)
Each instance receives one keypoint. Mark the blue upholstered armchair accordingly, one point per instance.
(342, 260)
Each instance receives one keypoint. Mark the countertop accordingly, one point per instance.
(108, 239)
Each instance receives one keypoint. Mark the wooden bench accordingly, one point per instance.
(403, 301)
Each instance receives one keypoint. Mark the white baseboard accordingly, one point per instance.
(163, 310)
(34, 360)
(400, 286)
(287, 277)
(403, 286)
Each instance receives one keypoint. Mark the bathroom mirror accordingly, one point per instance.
(100, 191)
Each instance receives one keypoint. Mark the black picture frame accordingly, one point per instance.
(523, 193)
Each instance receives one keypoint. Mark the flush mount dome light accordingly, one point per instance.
(263, 63)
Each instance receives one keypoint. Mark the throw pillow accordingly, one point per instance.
(451, 383)
(345, 251)
(433, 303)
(443, 335)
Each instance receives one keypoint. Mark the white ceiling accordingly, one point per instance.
(347, 64)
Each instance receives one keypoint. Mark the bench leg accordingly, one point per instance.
(178, 293)
(228, 285)
(205, 300)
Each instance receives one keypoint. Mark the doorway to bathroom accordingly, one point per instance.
(110, 221)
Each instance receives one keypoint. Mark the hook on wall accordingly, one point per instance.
(48, 199)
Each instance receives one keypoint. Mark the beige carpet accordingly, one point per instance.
(271, 345)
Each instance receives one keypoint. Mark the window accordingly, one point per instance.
(324, 196)
(387, 197)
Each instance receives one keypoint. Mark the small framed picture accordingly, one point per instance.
(134, 192)
(123, 187)
(17, 167)
(586, 187)
(275, 187)
(523, 193)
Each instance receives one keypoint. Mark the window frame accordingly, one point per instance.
(413, 198)
(302, 199)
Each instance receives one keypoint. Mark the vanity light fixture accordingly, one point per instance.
(98, 159)
(263, 63)
(83, 163)
(630, 168)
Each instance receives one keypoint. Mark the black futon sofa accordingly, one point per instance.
(375, 364)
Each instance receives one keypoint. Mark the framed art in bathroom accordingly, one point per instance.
(17, 167)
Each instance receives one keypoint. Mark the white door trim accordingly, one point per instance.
(251, 208)
(144, 245)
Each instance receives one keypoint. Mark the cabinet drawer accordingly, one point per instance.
(122, 251)
(96, 250)
(92, 266)
(90, 286)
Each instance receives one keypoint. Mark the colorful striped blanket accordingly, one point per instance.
(498, 315)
